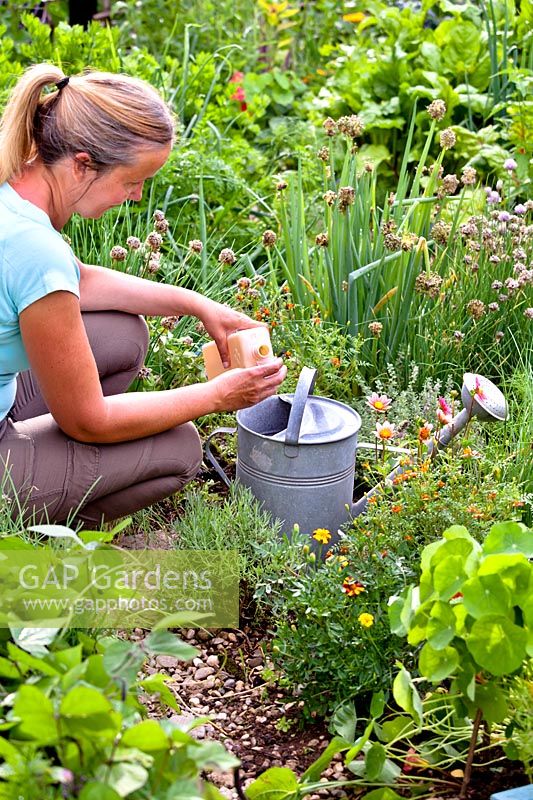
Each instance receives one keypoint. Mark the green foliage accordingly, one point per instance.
(74, 724)
(324, 611)
(234, 522)
(471, 612)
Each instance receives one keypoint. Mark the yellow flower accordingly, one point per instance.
(366, 620)
(356, 16)
(322, 535)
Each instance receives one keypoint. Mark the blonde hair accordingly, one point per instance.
(111, 117)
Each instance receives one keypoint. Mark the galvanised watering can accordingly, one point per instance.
(296, 453)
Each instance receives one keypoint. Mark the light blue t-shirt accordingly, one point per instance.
(35, 260)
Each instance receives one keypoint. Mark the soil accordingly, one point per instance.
(261, 723)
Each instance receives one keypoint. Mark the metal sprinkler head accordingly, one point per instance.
(483, 399)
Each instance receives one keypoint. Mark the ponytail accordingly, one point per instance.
(17, 143)
(109, 116)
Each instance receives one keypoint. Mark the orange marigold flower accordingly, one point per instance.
(424, 432)
(396, 508)
(351, 587)
(335, 362)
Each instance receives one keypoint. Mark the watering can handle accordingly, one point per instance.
(210, 456)
(304, 388)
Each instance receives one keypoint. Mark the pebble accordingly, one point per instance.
(212, 661)
(167, 662)
(203, 673)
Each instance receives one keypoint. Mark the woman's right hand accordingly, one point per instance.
(241, 388)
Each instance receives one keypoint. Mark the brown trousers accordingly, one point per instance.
(53, 478)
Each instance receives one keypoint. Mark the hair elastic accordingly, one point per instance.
(62, 83)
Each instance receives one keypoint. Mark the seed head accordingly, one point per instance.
(118, 253)
(322, 240)
(346, 197)
(392, 241)
(498, 336)
(269, 238)
(468, 176)
(330, 126)
(528, 313)
(476, 309)
(158, 215)
(196, 246)
(161, 225)
(351, 126)
(375, 329)
(449, 185)
(227, 256)
(330, 197)
(408, 241)
(493, 307)
(428, 283)
(153, 266)
(133, 242)
(458, 336)
(244, 283)
(323, 154)
(437, 109)
(169, 323)
(144, 373)
(441, 232)
(154, 240)
(447, 139)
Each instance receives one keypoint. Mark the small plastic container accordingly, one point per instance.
(247, 348)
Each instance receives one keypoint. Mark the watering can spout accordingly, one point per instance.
(481, 399)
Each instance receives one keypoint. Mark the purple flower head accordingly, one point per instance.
(520, 209)
(510, 164)
(493, 198)
(504, 216)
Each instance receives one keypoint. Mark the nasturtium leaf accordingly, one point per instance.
(497, 644)
(441, 625)
(509, 537)
(315, 770)
(377, 704)
(98, 791)
(276, 783)
(36, 713)
(147, 736)
(385, 793)
(406, 695)
(486, 595)
(493, 703)
(123, 660)
(438, 664)
(157, 684)
(514, 570)
(374, 761)
(8, 669)
(398, 727)
(449, 576)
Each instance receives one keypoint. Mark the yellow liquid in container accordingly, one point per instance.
(247, 348)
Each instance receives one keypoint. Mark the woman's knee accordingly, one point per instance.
(189, 450)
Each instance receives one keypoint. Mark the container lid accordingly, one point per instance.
(323, 421)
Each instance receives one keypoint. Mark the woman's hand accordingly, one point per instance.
(219, 321)
(240, 388)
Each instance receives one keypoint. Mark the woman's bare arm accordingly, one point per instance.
(60, 355)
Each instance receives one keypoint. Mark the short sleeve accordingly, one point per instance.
(40, 268)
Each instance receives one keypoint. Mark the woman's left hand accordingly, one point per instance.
(220, 320)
